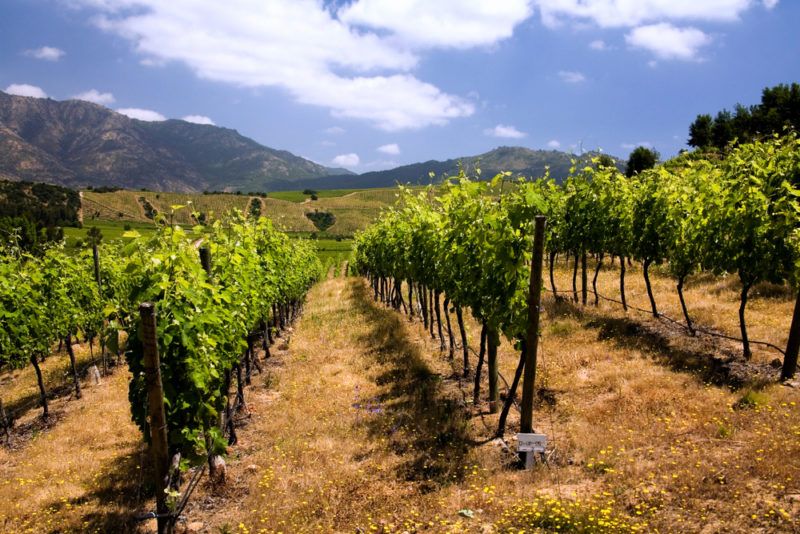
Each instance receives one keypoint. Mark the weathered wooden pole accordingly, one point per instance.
(532, 335)
(96, 259)
(793, 345)
(205, 259)
(156, 414)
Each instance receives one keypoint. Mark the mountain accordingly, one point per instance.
(519, 160)
(79, 144)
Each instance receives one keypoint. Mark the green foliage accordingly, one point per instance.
(202, 322)
(641, 159)
(737, 214)
(778, 111)
(321, 219)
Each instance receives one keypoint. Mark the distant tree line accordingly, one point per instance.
(33, 214)
(779, 109)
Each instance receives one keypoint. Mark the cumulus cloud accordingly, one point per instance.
(300, 46)
(622, 13)
(392, 149)
(142, 114)
(346, 160)
(652, 21)
(335, 130)
(598, 44)
(23, 89)
(198, 119)
(631, 146)
(554, 144)
(93, 95)
(47, 53)
(504, 131)
(571, 76)
(667, 41)
(443, 23)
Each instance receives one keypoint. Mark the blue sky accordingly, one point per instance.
(371, 84)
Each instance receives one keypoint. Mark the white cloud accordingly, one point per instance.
(93, 95)
(327, 143)
(335, 130)
(142, 114)
(443, 23)
(554, 144)
(23, 89)
(198, 119)
(346, 160)
(391, 149)
(152, 62)
(631, 146)
(378, 164)
(297, 45)
(598, 44)
(622, 13)
(47, 53)
(667, 41)
(505, 131)
(571, 76)
(769, 4)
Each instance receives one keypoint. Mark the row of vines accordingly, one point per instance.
(216, 291)
(471, 241)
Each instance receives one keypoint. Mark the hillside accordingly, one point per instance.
(77, 144)
(351, 212)
(519, 160)
(47, 205)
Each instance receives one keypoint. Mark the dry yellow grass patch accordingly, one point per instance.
(83, 474)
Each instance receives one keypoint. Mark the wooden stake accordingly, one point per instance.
(793, 345)
(532, 336)
(156, 414)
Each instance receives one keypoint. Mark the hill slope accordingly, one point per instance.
(77, 144)
(519, 160)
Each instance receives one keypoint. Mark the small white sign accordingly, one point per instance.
(531, 443)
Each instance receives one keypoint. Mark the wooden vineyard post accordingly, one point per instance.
(793, 344)
(4, 422)
(205, 260)
(156, 414)
(532, 338)
(96, 260)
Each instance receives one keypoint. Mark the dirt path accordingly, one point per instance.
(365, 428)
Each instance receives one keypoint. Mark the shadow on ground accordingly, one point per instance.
(423, 421)
(703, 356)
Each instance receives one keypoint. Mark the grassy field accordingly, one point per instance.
(111, 230)
(353, 210)
(383, 193)
(360, 424)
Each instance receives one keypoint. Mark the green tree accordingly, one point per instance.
(642, 158)
(700, 132)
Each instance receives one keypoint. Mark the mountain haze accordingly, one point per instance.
(79, 144)
(519, 160)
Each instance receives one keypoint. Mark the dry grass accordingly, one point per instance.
(363, 425)
(353, 211)
(81, 475)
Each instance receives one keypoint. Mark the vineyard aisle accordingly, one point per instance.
(352, 427)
